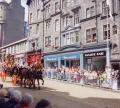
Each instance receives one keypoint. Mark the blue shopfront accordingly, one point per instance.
(67, 59)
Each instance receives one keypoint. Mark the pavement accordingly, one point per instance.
(63, 95)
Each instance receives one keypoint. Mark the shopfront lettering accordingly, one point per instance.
(95, 54)
(51, 59)
(69, 57)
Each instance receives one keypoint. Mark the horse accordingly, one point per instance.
(29, 76)
(39, 76)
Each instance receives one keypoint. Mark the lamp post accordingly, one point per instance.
(108, 48)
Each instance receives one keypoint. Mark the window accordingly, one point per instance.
(71, 38)
(90, 12)
(106, 31)
(76, 17)
(91, 35)
(30, 32)
(114, 29)
(48, 41)
(30, 17)
(47, 24)
(38, 13)
(33, 45)
(37, 28)
(56, 25)
(47, 10)
(56, 7)
(67, 20)
(64, 4)
(87, 12)
(104, 8)
(77, 36)
(67, 39)
(56, 41)
(88, 36)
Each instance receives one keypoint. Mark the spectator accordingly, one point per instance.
(10, 92)
(3, 99)
(15, 100)
(43, 104)
(26, 101)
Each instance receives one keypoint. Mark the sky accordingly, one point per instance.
(23, 4)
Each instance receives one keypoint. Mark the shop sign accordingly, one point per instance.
(51, 59)
(71, 56)
(95, 54)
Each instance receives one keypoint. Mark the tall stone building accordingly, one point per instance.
(11, 21)
(76, 33)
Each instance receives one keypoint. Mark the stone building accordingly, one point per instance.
(76, 33)
(11, 21)
(18, 50)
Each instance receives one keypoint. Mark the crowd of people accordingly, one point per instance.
(95, 78)
(10, 98)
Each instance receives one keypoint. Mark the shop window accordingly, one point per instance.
(48, 41)
(114, 29)
(106, 31)
(91, 35)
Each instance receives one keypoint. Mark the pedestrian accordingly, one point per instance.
(43, 104)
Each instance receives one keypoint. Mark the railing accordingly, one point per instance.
(82, 79)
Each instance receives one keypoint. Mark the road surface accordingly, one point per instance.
(63, 95)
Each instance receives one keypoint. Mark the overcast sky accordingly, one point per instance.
(24, 4)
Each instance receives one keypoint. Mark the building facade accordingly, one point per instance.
(76, 33)
(17, 50)
(11, 21)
